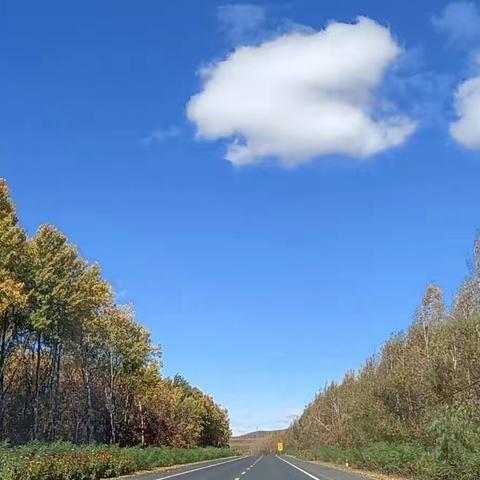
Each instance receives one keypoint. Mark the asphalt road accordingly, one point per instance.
(265, 467)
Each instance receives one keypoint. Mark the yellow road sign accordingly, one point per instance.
(279, 447)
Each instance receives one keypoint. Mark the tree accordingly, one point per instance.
(56, 267)
(402, 393)
(76, 366)
(13, 289)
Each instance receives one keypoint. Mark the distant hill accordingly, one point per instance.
(256, 434)
(252, 441)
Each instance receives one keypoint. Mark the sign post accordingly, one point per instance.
(279, 447)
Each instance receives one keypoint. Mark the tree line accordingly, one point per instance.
(413, 409)
(76, 366)
(422, 387)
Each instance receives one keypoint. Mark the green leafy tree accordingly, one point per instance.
(13, 290)
(76, 366)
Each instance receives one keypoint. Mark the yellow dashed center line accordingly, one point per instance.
(251, 466)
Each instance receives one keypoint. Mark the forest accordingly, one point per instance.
(76, 366)
(414, 408)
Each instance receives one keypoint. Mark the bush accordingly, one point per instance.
(456, 434)
(391, 458)
(65, 461)
(452, 458)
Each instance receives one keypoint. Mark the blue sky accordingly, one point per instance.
(263, 275)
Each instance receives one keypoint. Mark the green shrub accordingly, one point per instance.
(66, 461)
(456, 435)
(452, 451)
(453, 457)
(391, 458)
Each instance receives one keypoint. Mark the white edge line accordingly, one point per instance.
(201, 468)
(303, 471)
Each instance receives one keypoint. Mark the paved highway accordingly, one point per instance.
(265, 467)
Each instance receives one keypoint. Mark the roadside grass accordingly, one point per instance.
(408, 459)
(402, 459)
(66, 461)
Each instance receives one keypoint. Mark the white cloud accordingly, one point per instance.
(242, 21)
(302, 95)
(466, 130)
(159, 135)
(460, 21)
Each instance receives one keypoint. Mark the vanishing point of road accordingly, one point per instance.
(258, 467)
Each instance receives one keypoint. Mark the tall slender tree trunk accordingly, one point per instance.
(89, 408)
(54, 391)
(2, 405)
(77, 429)
(51, 381)
(110, 400)
(142, 422)
(36, 398)
(3, 361)
(129, 400)
(88, 395)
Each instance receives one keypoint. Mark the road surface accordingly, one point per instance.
(259, 467)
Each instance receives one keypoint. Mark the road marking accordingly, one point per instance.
(323, 477)
(236, 478)
(201, 468)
